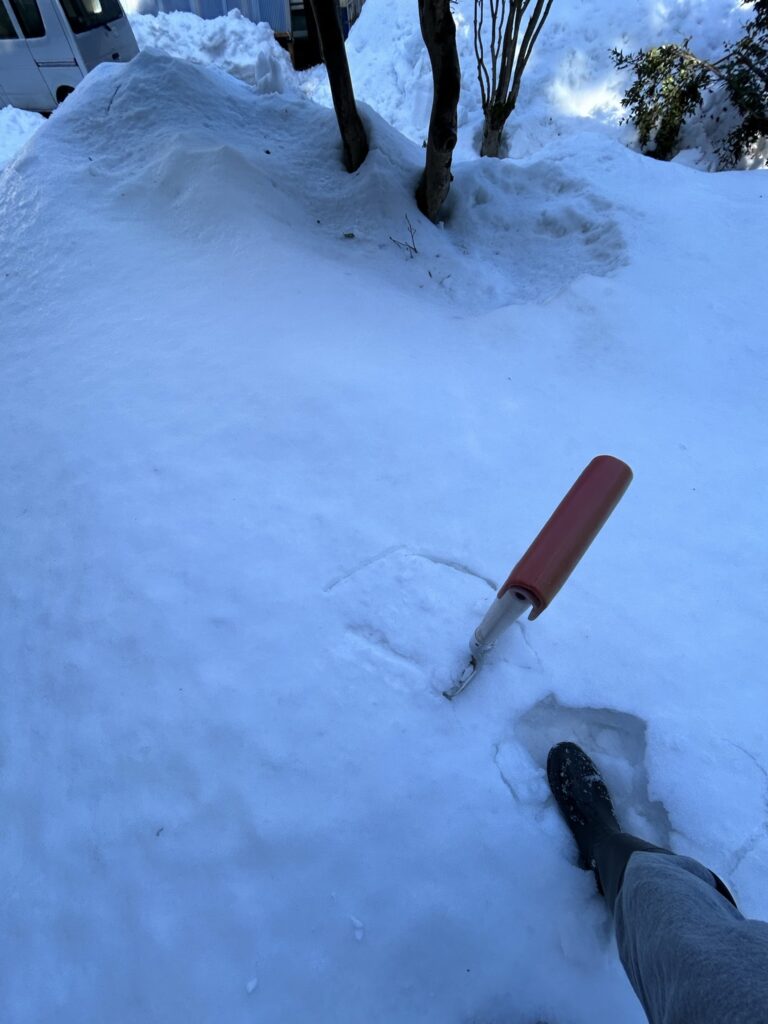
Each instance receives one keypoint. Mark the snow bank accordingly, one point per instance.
(270, 165)
(16, 127)
(233, 43)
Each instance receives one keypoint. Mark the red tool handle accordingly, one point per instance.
(569, 531)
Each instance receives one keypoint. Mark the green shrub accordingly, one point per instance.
(671, 85)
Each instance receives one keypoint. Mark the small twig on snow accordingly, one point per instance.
(408, 247)
(112, 100)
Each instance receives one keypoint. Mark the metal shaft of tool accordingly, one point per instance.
(503, 612)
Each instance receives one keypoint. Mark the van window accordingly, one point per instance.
(84, 15)
(7, 31)
(28, 16)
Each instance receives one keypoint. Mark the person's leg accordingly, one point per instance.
(688, 952)
(611, 856)
(610, 859)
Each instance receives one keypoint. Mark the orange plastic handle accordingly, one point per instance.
(569, 531)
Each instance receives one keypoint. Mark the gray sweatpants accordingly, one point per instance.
(691, 956)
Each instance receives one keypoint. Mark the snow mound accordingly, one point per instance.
(16, 127)
(216, 160)
(232, 42)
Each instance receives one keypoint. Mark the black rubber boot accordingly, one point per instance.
(586, 806)
(583, 799)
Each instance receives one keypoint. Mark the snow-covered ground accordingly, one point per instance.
(261, 471)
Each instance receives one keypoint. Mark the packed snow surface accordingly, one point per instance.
(264, 468)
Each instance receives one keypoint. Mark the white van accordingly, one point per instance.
(48, 46)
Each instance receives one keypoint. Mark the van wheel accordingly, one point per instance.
(62, 92)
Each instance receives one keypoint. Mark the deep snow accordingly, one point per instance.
(260, 477)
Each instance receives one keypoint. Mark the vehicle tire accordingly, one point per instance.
(62, 92)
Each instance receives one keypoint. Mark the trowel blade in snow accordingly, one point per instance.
(466, 677)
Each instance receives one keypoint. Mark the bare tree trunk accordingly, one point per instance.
(509, 48)
(334, 54)
(439, 33)
(493, 126)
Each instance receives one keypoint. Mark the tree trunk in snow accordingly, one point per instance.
(439, 33)
(491, 138)
(503, 49)
(334, 56)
